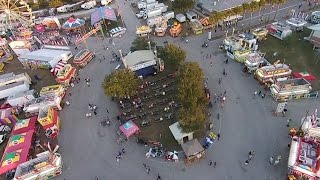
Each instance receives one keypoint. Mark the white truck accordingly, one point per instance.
(144, 5)
(154, 20)
(181, 18)
(152, 13)
(106, 2)
(63, 9)
(21, 98)
(89, 5)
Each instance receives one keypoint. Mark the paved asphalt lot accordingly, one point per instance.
(89, 150)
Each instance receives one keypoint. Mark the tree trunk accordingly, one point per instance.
(275, 14)
(250, 19)
(270, 12)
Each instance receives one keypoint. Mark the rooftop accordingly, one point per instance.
(221, 5)
(44, 54)
(139, 57)
(177, 131)
(192, 147)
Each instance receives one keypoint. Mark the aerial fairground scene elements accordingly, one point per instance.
(159, 89)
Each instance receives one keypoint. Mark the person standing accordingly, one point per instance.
(218, 135)
(246, 163)
(271, 160)
(288, 122)
(214, 164)
(210, 163)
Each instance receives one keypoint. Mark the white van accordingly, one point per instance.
(89, 5)
(118, 31)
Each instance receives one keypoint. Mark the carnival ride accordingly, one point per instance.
(175, 29)
(83, 57)
(15, 13)
(196, 26)
(143, 31)
(260, 33)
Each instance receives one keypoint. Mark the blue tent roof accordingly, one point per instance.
(103, 13)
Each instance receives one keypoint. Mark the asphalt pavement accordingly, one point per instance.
(247, 124)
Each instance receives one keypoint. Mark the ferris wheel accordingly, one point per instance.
(15, 13)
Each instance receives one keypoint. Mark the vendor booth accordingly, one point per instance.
(180, 136)
(20, 47)
(193, 151)
(275, 72)
(24, 125)
(8, 116)
(50, 121)
(260, 33)
(296, 23)
(11, 159)
(279, 30)
(196, 26)
(129, 128)
(64, 73)
(255, 60)
(54, 90)
(241, 54)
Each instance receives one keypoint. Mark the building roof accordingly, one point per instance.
(139, 57)
(177, 131)
(192, 147)
(44, 54)
(220, 5)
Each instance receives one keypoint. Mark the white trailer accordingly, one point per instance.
(154, 20)
(14, 88)
(10, 78)
(152, 13)
(181, 18)
(162, 6)
(169, 15)
(21, 98)
(144, 5)
(63, 9)
(89, 5)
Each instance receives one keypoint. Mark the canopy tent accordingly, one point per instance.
(24, 125)
(51, 22)
(129, 128)
(73, 23)
(10, 160)
(40, 28)
(19, 141)
(315, 27)
(101, 13)
(304, 75)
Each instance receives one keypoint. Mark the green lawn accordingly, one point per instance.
(296, 52)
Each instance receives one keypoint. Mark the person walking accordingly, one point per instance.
(148, 170)
(271, 160)
(214, 164)
(288, 122)
(259, 93)
(255, 94)
(218, 135)
(246, 163)
(159, 177)
(210, 163)
(250, 155)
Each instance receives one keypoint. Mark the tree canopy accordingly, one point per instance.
(141, 43)
(192, 97)
(121, 83)
(183, 5)
(173, 56)
(191, 119)
(55, 3)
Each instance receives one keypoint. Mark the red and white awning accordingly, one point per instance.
(58, 67)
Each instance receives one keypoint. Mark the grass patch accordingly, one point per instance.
(296, 52)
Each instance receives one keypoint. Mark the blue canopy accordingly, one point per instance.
(103, 13)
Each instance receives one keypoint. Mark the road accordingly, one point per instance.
(246, 124)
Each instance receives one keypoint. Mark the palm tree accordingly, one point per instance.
(262, 4)
(278, 2)
(253, 7)
(245, 8)
(272, 3)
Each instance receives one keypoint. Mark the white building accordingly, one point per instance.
(143, 62)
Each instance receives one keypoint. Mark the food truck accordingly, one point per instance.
(83, 57)
(46, 165)
(33, 107)
(175, 30)
(279, 30)
(50, 121)
(232, 43)
(65, 74)
(143, 31)
(290, 89)
(260, 33)
(241, 54)
(255, 60)
(54, 90)
(276, 72)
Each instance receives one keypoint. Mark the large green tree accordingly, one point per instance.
(55, 3)
(173, 56)
(254, 6)
(121, 83)
(191, 119)
(141, 43)
(183, 5)
(191, 85)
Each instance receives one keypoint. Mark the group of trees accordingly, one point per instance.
(191, 95)
(123, 83)
(183, 5)
(244, 8)
(141, 43)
